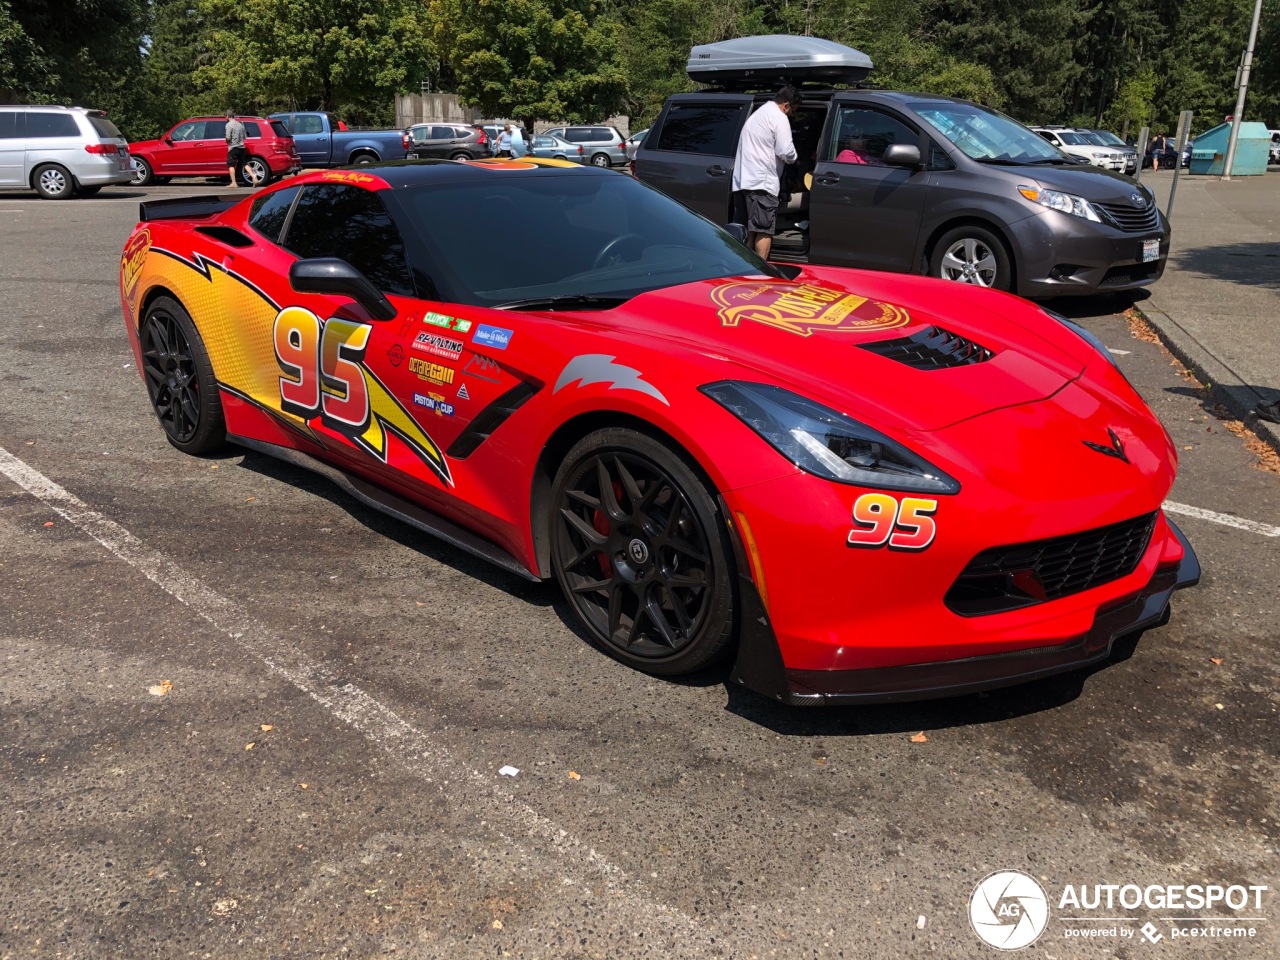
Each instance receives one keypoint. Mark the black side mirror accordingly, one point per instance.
(737, 231)
(331, 275)
(902, 155)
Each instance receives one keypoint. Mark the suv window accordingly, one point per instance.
(308, 123)
(861, 135)
(442, 133)
(338, 220)
(279, 129)
(268, 213)
(706, 128)
(9, 124)
(217, 130)
(105, 127)
(41, 124)
(191, 130)
(251, 129)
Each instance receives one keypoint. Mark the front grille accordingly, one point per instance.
(931, 349)
(1129, 218)
(1006, 578)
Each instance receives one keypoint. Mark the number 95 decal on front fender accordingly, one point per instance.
(880, 519)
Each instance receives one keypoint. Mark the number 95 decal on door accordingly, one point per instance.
(880, 519)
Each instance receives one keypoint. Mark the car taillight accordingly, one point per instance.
(100, 148)
(406, 141)
(579, 149)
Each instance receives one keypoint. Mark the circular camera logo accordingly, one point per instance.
(1009, 910)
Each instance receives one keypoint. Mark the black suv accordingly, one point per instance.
(446, 141)
(913, 183)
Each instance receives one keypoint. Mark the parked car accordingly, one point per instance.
(1078, 144)
(1274, 152)
(633, 143)
(1168, 156)
(61, 152)
(1105, 138)
(955, 190)
(859, 486)
(549, 146)
(198, 148)
(602, 146)
(447, 141)
(322, 143)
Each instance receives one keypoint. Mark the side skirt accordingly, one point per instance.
(396, 506)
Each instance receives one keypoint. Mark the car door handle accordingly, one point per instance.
(715, 170)
(829, 179)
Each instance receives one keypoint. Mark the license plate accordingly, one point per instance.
(1150, 250)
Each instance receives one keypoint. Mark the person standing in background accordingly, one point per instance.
(237, 152)
(764, 146)
(504, 142)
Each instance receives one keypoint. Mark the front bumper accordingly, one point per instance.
(760, 665)
(1061, 255)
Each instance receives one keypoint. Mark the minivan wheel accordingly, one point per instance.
(600, 160)
(53, 182)
(972, 254)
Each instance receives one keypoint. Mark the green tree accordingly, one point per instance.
(315, 54)
(22, 64)
(532, 59)
(178, 45)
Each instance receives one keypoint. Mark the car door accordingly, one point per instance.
(439, 138)
(862, 211)
(689, 153)
(209, 155)
(12, 149)
(178, 152)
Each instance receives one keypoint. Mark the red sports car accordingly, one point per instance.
(198, 148)
(862, 486)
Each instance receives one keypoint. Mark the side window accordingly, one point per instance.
(279, 129)
(938, 158)
(339, 220)
(710, 129)
(215, 130)
(308, 123)
(269, 212)
(1047, 135)
(442, 133)
(861, 136)
(251, 129)
(51, 125)
(9, 124)
(191, 130)
(577, 136)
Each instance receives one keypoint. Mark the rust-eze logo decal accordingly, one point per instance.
(804, 308)
(131, 261)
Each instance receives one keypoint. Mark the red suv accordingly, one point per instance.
(198, 148)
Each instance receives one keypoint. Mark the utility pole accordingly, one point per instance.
(1244, 86)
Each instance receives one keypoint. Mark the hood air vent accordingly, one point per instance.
(931, 349)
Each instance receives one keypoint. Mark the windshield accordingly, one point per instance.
(983, 134)
(1109, 139)
(513, 237)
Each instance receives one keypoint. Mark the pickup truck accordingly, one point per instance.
(322, 142)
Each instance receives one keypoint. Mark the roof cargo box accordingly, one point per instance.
(774, 60)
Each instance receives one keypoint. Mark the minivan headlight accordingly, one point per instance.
(1062, 202)
(825, 443)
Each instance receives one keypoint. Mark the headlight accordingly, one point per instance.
(1088, 336)
(1064, 202)
(825, 443)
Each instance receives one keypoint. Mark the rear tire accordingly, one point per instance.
(461, 156)
(142, 173)
(642, 554)
(180, 380)
(600, 160)
(254, 173)
(972, 254)
(53, 182)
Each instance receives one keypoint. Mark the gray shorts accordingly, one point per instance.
(758, 209)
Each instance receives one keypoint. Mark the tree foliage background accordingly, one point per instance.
(1115, 63)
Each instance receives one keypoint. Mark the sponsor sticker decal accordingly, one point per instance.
(438, 345)
(396, 354)
(446, 322)
(434, 372)
(496, 337)
(482, 368)
(462, 393)
(434, 402)
(804, 308)
(353, 176)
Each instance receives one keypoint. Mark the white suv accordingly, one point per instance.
(1077, 145)
(61, 152)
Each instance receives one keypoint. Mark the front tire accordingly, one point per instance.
(180, 380)
(640, 550)
(972, 254)
(53, 182)
(600, 160)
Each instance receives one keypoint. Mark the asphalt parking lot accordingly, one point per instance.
(245, 716)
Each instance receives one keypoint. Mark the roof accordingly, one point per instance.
(410, 173)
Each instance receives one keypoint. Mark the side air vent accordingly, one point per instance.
(490, 418)
(931, 349)
(228, 235)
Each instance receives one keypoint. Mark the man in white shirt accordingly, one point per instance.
(763, 148)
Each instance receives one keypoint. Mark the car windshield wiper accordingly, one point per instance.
(1054, 160)
(999, 161)
(565, 302)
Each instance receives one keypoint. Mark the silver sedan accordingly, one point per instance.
(552, 147)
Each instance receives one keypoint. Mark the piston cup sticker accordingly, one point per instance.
(804, 308)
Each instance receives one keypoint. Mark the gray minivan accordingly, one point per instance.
(913, 183)
(61, 151)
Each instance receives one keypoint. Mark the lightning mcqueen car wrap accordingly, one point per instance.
(860, 486)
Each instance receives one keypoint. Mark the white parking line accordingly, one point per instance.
(377, 722)
(1226, 519)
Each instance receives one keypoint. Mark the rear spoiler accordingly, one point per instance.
(185, 208)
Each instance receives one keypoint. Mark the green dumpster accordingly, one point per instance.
(1209, 153)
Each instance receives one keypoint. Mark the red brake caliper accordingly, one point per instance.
(600, 521)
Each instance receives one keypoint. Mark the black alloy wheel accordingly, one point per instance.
(640, 552)
(179, 378)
